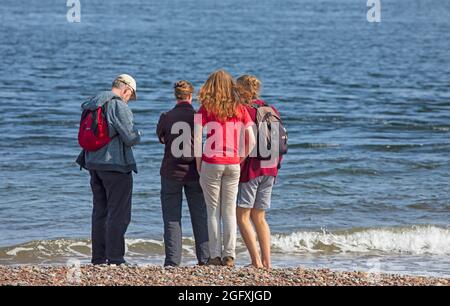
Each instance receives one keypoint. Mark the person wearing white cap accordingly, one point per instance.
(110, 165)
(125, 86)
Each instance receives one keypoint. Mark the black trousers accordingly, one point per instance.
(111, 215)
(171, 202)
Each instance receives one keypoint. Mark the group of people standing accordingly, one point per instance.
(225, 184)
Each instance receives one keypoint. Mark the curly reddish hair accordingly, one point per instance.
(219, 95)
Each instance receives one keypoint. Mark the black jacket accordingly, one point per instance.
(178, 168)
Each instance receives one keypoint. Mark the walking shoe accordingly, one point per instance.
(122, 264)
(99, 263)
(215, 261)
(228, 261)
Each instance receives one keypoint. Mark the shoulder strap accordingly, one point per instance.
(256, 105)
(104, 109)
(266, 115)
(84, 113)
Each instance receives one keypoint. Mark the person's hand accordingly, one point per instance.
(198, 163)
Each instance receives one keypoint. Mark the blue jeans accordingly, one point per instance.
(171, 202)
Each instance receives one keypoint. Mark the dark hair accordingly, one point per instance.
(183, 89)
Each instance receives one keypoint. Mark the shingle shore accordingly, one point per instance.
(200, 276)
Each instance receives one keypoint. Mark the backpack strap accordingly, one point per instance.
(278, 117)
(256, 105)
(94, 115)
(273, 114)
(84, 114)
(266, 115)
(104, 108)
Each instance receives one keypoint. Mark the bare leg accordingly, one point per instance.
(258, 217)
(248, 234)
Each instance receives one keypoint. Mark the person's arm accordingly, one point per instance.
(198, 144)
(121, 118)
(199, 123)
(250, 141)
(249, 132)
(198, 162)
(160, 131)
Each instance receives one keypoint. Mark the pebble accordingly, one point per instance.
(214, 276)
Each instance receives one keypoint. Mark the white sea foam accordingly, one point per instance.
(17, 250)
(417, 240)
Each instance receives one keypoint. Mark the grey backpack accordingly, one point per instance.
(271, 132)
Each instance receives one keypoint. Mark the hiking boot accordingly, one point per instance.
(228, 261)
(215, 261)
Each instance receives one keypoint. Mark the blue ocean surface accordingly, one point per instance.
(366, 182)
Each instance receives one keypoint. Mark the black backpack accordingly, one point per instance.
(270, 130)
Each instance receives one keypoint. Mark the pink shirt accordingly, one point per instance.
(223, 141)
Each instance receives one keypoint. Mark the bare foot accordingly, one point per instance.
(254, 265)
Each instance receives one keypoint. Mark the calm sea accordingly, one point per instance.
(366, 183)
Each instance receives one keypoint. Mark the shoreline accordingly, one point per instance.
(88, 275)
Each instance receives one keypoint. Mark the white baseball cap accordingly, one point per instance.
(130, 81)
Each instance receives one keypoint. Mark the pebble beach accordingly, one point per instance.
(88, 275)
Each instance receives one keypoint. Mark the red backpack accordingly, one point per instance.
(93, 133)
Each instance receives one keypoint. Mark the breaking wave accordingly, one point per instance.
(415, 240)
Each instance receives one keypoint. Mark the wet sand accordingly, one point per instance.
(88, 275)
